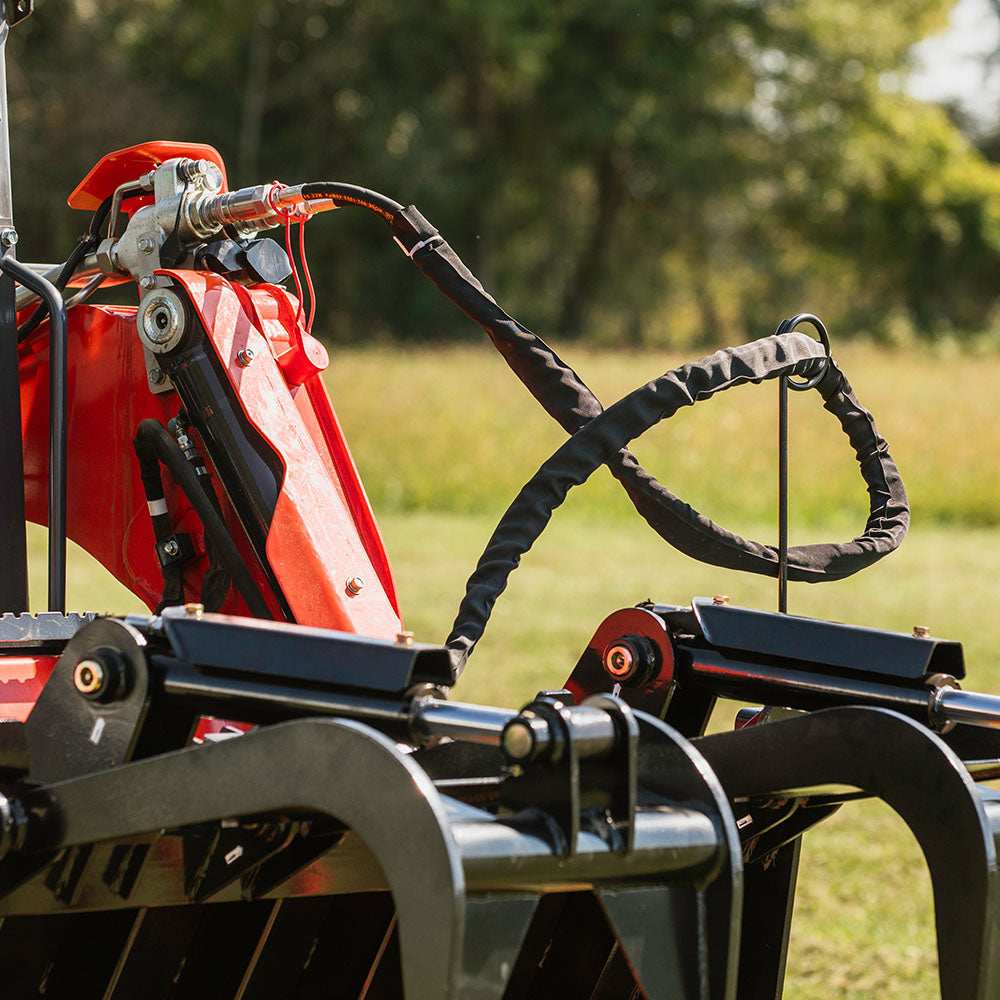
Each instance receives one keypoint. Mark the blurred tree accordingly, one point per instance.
(646, 170)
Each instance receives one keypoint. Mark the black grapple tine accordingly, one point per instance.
(914, 772)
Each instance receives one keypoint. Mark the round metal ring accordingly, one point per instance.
(824, 339)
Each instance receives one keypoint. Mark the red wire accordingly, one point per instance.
(295, 270)
(289, 218)
(308, 276)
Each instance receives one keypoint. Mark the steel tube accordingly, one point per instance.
(85, 272)
(460, 721)
(509, 854)
(790, 687)
(58, 376)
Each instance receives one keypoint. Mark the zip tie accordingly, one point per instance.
(418, 246)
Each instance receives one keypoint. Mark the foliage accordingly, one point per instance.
(645, 171)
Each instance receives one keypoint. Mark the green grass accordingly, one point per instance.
(454, 430)
(444, 440)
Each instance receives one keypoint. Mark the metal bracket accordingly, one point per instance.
(15, 11)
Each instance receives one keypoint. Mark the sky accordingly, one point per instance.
(950, 66)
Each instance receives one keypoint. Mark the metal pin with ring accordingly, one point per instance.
(784, 384)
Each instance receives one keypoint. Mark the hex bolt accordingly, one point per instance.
(922, 631)
(89, 676)
(720, 600)
(245, 356)
(156, 376)
(194, 610)
(404, 638)
(146, 244)
(148, 281)
(8, 236)
(355, 585)
(171, 548)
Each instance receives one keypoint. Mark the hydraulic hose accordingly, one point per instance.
(602, 438)
(566, 398)
(85, 246)
(151, 435)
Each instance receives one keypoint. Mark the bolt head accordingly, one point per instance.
(194, 610)
(156, 376)
(720, 600)
(404, 638)
(922, 631)
(8, 236)
(355, 585)
(171, 548)
(89, 676)
(148, 281)
(245, 356)
(146, 244)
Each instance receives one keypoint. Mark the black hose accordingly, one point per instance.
(601, 438)
(566, 397)
(58, 377)
(351, 194)
(86, 245)
(153, 435)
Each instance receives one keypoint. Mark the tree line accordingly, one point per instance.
(626, 171)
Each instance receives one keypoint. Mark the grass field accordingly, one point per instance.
(445, 438)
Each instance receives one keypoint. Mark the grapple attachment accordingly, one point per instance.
(317, 855)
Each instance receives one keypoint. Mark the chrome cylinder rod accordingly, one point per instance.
(967, 707)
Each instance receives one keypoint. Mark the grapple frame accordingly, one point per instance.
(350, 832)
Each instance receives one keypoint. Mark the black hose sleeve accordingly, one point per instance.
(603, 437)
(556, 386)
(566, 397)
(152, 434)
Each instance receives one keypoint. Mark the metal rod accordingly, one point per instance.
(6, 197)
(86, 272)
(783, 494)
(461, 721)
(968, 707)
(13, 545)
(13, 550)
(58, 376)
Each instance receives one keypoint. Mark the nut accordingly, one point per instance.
(355, 585)
(8, 236)
(146, 244)
(156, 376)
(245, 356)
(619, 660)
(89, 676)
(171, 548)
